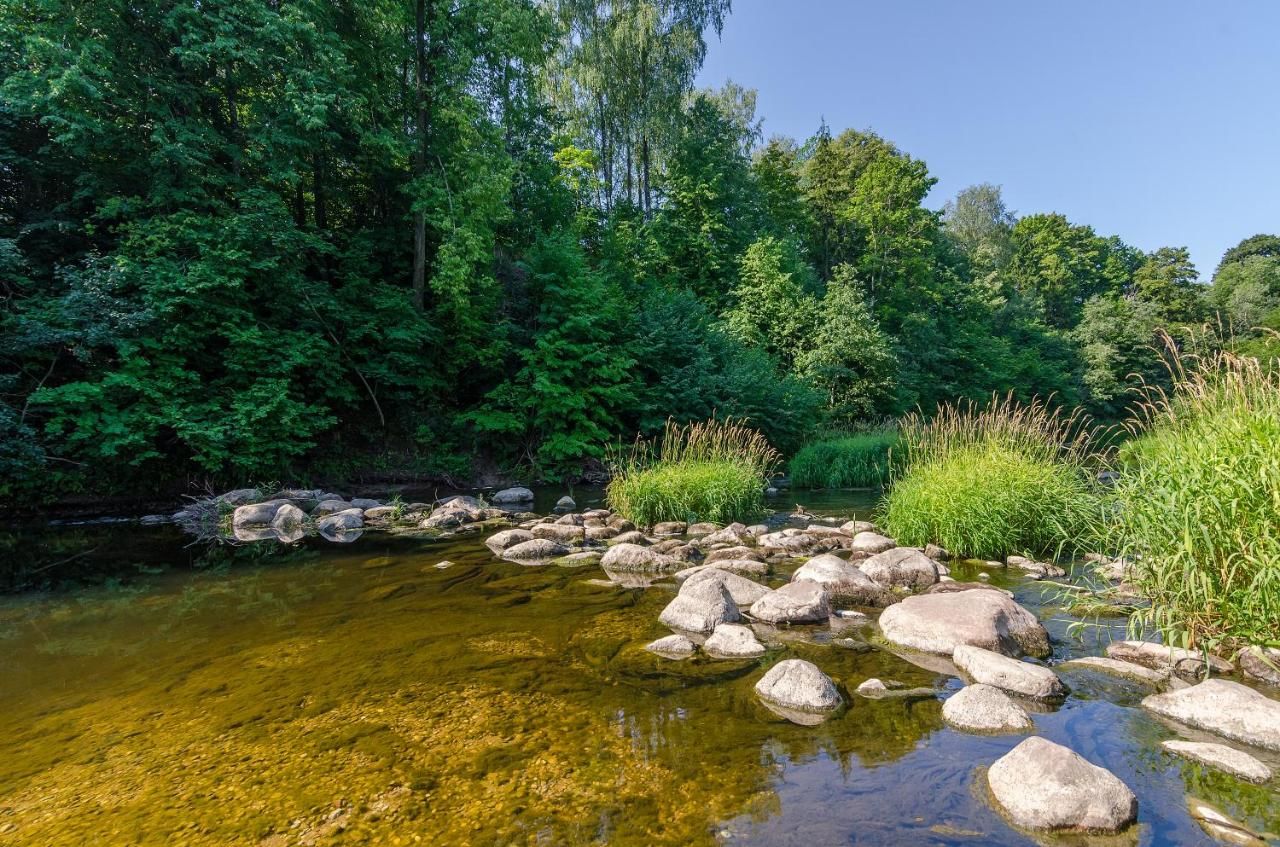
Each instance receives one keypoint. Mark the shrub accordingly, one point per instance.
(859, 460)
(711, 471)
(988, 481)
(1196, 503)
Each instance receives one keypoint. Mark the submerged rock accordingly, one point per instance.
(843, 581)
(1224, 708)
(796, 602)
(1115, 667)
(1044, 786)
(938, 623)
(700, 607)
(732, 641)
(797, 686)
(1000, 671)
(1220, 827)
(1224, 758)
(672, 647)
(985, 708)
(905, 567)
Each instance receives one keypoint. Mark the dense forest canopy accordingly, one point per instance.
(274, 240)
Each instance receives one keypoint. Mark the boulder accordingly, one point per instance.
(534, 550)
(791, 544)
(363, 503)
(855, 527)
(288, 517)
(380, 513)
(938, 554)
(1235, 762)
(700, 607)
(571, 519)
(1224, 708)
(705, 528)
(985, 708)
(620, 523)
(1115, 667)
(742, 567)
(630, 536)
(240, 496)
(508, 496)
(797, 686)
(1261, 663)
(672, 647)
(938, 623)
(256, 514)
(458, 501)
(732, 641)
(565, 504)
(843, 581)
(1187, 663)
(1044, 786)
(1039, 570)
(1000, 671)
(734, 533)
(499, 542)
(340, 522)
(947, 585)
(441, 519)
(601, 533)
(329, 507)
(795, 602)
(866, 541)
(636, 558)
(743, 591)
(563, 533)
(904, 567)
(727, 553)
(670, 528)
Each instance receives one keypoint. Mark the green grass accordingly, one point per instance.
(858, 460)
(1197, 505)
(712, 471)
(989, 481)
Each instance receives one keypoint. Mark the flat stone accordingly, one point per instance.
(1183, 662)
(672, 647)
(535, 550)
(742, 567)
(1224, 708)
(738, 552)
(1115, 667)
(866, 541)
(1261, 663)
(700, 607)
(501, 541)
(637, 558)
(795, 602)
(743, 591)
(512, 495)
(1220, 827)
(843, 581)
(904, 567)
(1014, 675)
(1220, 756)
(1045, 786)
(732, 641)
(563, 533)
(670, 528)
(985, 708)
(938, 623)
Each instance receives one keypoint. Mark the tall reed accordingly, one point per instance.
(1196, 507)
(986, 481)
(852, 460)
(713, 471)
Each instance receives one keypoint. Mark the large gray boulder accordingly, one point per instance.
(1186, 663)
(790, 543)
(985, 708)
(500, 542)
(938, 623)
(340, 522)
(904, 567)
(743, 591)
(795, 602)
(1235, 762)
(508, 496)
(1261, 663)
(798, 687)
(288, 518)
(1224, 708)
(1000, 671)
(733, 641)
(1044, 786)
(871, 542)
(700, 607)
(535, 550)
(330, 507)
(621, 557)
(563, 533)
(742, 567)
(256, 514)
(843, 581)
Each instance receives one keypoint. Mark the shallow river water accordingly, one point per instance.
(357, 694)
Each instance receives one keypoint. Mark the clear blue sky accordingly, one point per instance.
(1154, 120)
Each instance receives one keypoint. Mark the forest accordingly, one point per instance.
(248, 241)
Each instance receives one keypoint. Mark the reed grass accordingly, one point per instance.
(987, 481)
(1196, 506)
(709, 471)
(854, 460)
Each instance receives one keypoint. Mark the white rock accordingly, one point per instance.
(1000, 671)
(673, 646)
(1222, 757)
(1044, 786)
(855, 527)
(637, 558)
(1224, 708)
(871, 542)
(938, 623)
(798, 685)
(501, 541)
(795, 602)
(700, 607)
(731, 641)
(906, 567)
(985, 708)
(843, 581)
(743, 591)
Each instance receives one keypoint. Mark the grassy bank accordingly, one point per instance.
(856, 460)
(986, 481)
(711, 471)
(1197, 504)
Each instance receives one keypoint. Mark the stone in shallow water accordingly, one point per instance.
(743, 591)
(996, 669)
(535, 550)
(938, 623)
(700, 607)
(1221, 827)
(1224, 708)
(1044, 786)
(512, 495)
(906, 567)
(508, 538)
(1115, 667)
(797, 686)
(1188, 663)
(673, 646)
(866, 541)
(985, 708)
(732, 641)
(637, 558)
(795, 602)
(1261, 663)
(1220, 756)
(742, 567)
(843, 581)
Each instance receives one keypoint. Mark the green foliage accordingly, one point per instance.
(773, 306)
(1167, 280)
(1117, 337)
(1196, 501)
(989, 481)
(860, 460)
(711, 471)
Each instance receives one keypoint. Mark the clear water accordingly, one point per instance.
(357, 694)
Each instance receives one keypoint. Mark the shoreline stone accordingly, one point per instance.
(1046, 787)
(1223, 758)
(1225, 708)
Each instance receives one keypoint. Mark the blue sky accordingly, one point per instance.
(1154, 120)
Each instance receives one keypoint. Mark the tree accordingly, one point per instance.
(981, 227)
(773, 305)
(1167, 280)
(1118, 337)
(776, 168)
(1266, 246)
(1060, 265)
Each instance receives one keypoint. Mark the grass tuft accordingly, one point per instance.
(1196, 506)
(988, 481)
(857, 460)
(710, 471)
